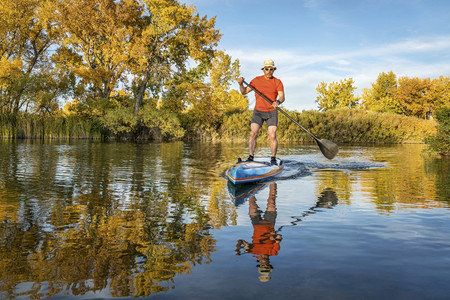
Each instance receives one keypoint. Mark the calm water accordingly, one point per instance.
(102, 220)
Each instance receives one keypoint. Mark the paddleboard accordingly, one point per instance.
(253, 171)
(240, 192)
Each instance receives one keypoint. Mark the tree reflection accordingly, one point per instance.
(136, 252)
(130, 236)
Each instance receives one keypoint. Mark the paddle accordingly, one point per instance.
(328, 148)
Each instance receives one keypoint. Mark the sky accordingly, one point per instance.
(314, 41)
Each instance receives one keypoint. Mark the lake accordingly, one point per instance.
(97, 220)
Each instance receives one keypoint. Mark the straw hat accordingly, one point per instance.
(264, 270)
(269, 63)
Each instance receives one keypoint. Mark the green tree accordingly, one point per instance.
(336, 95)
(208, 102)
(174, 94)
(440, 143)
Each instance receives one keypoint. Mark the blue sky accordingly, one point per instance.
(329, 40)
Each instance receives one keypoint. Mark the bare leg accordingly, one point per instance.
(253, 208)
(272, 196)
(254, 129)
(272, 131)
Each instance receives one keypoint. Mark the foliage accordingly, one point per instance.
(336, 95)
(439, 92)
(410, 96)
(236, 125)
(381, 97)
(407, 96)
(97, 36)
(440, 142)
(339, 125)
(206, 103)
(171, 36)
(167, 122)
(97, 47)
(368, 127)
(27, 32)
(120, 120)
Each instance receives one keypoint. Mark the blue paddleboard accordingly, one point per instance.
(253, 171)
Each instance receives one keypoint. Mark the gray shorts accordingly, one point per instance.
(269, 218)
(270, 117)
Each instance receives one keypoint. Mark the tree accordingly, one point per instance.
(336, 95)
(96, 42)
(381, 97)
(440, 143)
(27, 31)
(172, 34)
(207, 102)
(410, 95)
(438, 94)
(223, 72)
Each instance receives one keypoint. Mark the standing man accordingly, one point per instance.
(273, 89)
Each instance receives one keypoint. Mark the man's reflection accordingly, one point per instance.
(265, 241)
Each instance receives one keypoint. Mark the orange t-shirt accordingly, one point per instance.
(269, 88)
(262, 244)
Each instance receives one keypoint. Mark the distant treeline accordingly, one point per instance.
(340, 125)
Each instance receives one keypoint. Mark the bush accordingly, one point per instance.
(340, 126)
(440, 143)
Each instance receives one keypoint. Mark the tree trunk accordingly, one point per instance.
(141, 93)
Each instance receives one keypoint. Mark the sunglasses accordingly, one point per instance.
(269, 69)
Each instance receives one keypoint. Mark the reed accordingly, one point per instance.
(32, 126)
(340, 126)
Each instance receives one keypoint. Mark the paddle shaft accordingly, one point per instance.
(283, 112)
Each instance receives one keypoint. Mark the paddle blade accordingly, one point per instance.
(328, 148)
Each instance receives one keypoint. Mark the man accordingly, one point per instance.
(273, 89)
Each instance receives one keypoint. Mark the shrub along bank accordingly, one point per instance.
(340, 126)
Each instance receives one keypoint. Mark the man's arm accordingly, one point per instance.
(244, 90)
(280, 99)
(280, 96)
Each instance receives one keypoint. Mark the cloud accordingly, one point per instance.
(302, 71)
(439, 43)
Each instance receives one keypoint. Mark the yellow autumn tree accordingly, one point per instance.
(96, 42)
(381, 97)
(410, 96)
(438, 94)
(171, 35)
(336, 95)
(27, 31)
(208, 102)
